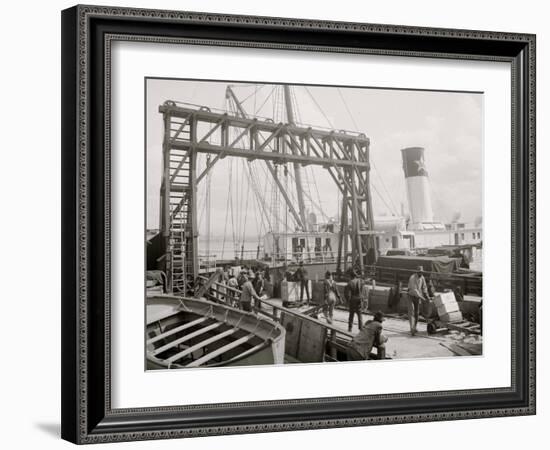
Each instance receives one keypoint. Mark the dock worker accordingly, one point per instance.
(259, 286)
(222, 291)
(301, 277)
(418, 292)
(353, 293)
(241, 277)
(247, 294)
(232, 283)
(371, 336)
(298, 252)
(331, 296)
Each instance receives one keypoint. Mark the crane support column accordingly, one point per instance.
(297, 166)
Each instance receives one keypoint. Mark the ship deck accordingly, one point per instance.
(400, 345)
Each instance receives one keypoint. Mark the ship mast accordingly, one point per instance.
(297, 166)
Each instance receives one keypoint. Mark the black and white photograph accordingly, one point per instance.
(275, 225)
(295, 223)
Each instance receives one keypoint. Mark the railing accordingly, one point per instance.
(312, 256)
(221, 293)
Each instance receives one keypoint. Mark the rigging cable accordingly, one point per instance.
(318, 194)
(294, 100)
(245, 209)
(208, 206)
(233, 213)
(256, 90)
(313, 203)
(381, 198)
(256, 183)
(256, 191)
(227, 210)
(257, 111)
(394, 210)
(318, 107)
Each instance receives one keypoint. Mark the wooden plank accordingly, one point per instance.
(455, 349)
(200, 345)
(186, 338)
(220, 351)
(244, 354)
(312, 342)
(472, 349)
(293, 327)
(208, 283)
(176, 330)
(294, 313)
(461, 327)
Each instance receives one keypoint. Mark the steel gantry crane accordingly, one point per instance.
(189, 131)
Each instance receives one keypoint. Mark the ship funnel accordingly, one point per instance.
(418, 187)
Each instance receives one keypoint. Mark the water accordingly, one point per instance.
(216, 249)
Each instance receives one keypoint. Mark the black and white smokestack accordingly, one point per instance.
(418, 185)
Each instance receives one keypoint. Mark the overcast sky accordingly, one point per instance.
(448, 125)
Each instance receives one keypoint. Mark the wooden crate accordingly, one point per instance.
(447, 308)
(443, 298)
(455, 316)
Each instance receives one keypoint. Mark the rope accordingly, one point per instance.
(294, 101)
(184, 306)
(227, 209)
(256, 111)
(318, 194)
(245, 213)
(233, 233)
(256, 90)
(394, 210)
(313, 203)
(318, 107)
(239, 321)
(347, 109)
(269, 335)
(259, 200)
(381, 198)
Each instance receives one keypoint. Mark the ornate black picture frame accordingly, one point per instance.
(87, 35)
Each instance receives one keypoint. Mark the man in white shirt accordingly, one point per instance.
(418, 291)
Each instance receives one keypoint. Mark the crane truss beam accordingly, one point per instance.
(276, 142)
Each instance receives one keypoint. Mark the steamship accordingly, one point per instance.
(415, 233)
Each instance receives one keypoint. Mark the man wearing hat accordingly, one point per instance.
(371, 336)
(331, 296)
(353, 293)
(417, 290)
(302, 278)
(247, 294)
